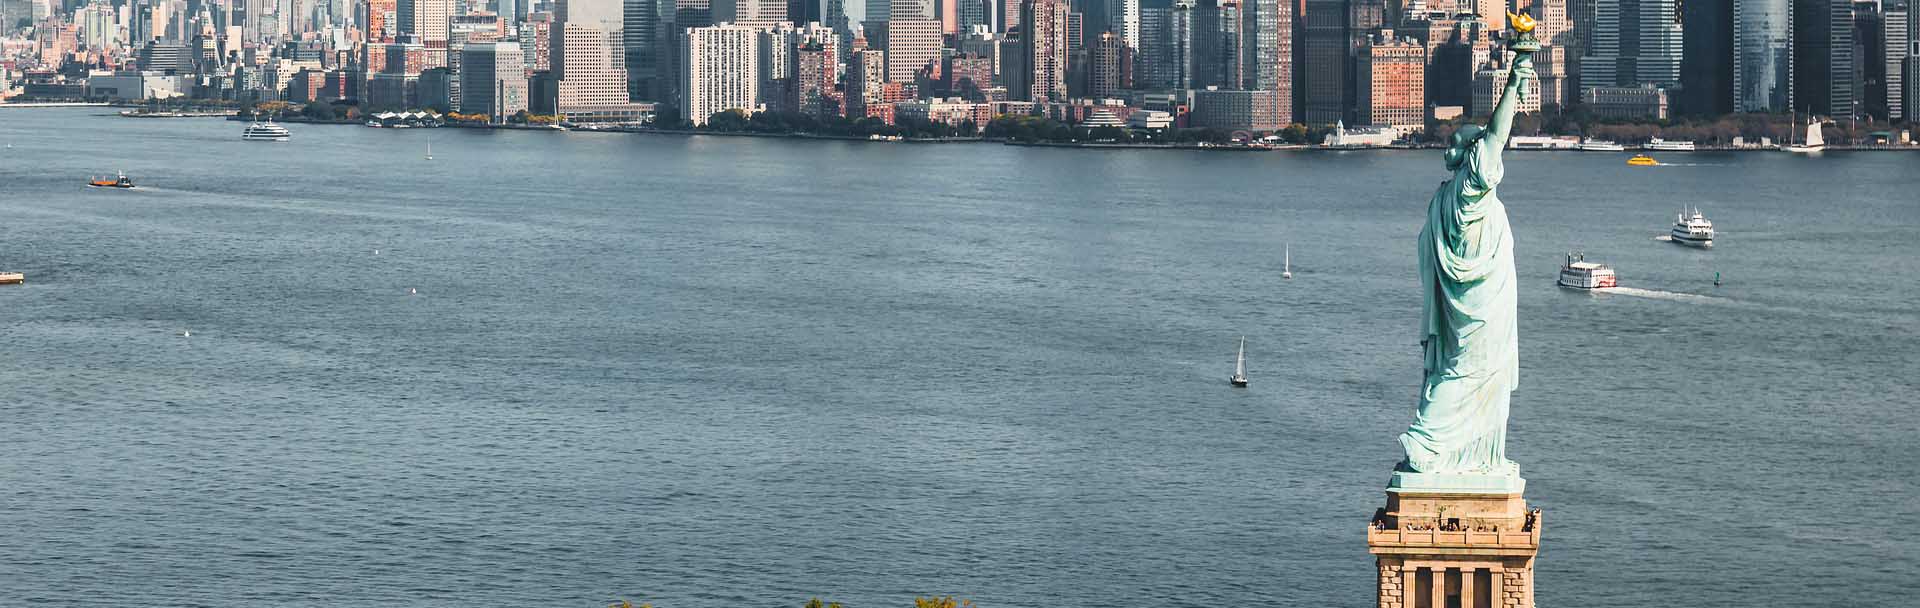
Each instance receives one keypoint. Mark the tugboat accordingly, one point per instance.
(1694, 231)
(111, 182)
(1582, 274)
(1642, 160)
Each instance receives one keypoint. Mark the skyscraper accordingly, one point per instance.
(749, 12)
(910, 45)
(1125, 21)
(639, 24)
(1217, 45)
(427, 20)
(1044, 62)
(1391, 82)
(1268, 35)
(1153, 59)
(493, 80)
(1762, 56)
(1823, 57)
(1111, 66)
(1324, 52)
(720, 70)
(1706, 66)
(588, 57)
(1897, 36)
(1634, 42)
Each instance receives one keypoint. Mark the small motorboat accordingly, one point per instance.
(122, 181)
(1642, 160)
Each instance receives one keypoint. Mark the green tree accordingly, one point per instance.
(318, 111)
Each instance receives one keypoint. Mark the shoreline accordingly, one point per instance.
(231, 116)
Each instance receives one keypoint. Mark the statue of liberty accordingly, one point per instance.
(1467, 278)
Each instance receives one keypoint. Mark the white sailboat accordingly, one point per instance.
(1240, 366)
(1286, 267)
(429, 150)
(1814, 141)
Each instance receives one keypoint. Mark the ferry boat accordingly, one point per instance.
(1600, 145)
(1669, 146)
(264, 131)
(1582, 274)
(1693, 231)
(111, 182)
(1642, 160)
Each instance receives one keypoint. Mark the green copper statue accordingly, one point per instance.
(1468, 325)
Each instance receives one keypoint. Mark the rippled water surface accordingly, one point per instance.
(717, 372)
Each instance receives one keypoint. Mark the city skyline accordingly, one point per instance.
(1315, 62)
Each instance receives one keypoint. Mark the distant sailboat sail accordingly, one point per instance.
(1240, 365)
(1286, 268)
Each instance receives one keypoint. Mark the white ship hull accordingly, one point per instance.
(1692, 239)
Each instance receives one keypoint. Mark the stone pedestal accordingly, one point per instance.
(1455, 548)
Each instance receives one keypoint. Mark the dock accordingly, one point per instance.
(12, 278)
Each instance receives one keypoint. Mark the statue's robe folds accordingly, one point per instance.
(1468, 326)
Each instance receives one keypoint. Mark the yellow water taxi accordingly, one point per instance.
(1642, 160)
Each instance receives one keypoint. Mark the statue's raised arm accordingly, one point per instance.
(1502, 121)
(1468, 329)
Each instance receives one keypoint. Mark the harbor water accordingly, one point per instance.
(563, 369)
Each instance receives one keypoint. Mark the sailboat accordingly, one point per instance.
(1240, 366)
(1814, 141)
(1286, 268)
(429, 150)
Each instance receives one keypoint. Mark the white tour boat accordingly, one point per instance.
(264, 131)
(1582, 274)
(1600, 145)
(1694, 230)
(1669, 146)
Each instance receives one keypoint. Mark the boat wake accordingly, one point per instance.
(1662, 295)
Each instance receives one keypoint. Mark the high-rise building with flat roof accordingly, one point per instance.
(1706, 63)
(1896, 37)
(910, 44)
(426, 20)
(1124, 20)
(1110, 68)
(1324, 51)
(639, 26)
(1634, 42)
(1823, 61)
(1044, 42)
(720, 70)
(1391, 79)
(493, 80)
(1763, 56)
(1268, 37)
(759, 13)
(588, 57)
(866, 79)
